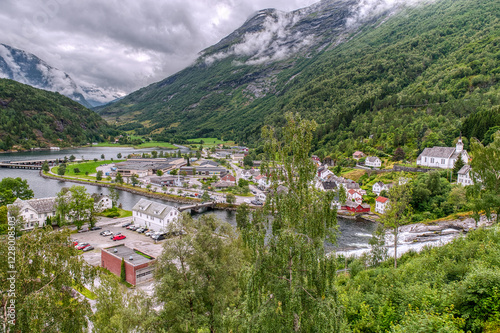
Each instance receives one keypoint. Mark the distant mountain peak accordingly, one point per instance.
(27, 68)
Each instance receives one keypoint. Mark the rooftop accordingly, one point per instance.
(121, 251)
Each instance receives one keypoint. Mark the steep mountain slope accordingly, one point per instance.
(27, 68)
(31, 117)
(372, 75)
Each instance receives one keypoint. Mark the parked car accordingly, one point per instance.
(132, 227)
(159, 236)
(149, 233)
(95, 228)
(107, 233)
(126, 224)
(88, 248)
(256, 202)
(82, 246)
(118, 237)
(140, 229)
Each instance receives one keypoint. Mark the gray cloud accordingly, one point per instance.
(124, 44)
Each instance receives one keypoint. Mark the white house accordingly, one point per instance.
(261, 197)
(443, 157)
(34, 212)
(377, 187)
(102, 202)
(154, 215)
(355, 196)
(464, 176)
(381, 205)
(373, 161)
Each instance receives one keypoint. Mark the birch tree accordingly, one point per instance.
(290, 286)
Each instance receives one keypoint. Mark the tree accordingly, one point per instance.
(98, 175)
(63, 200)
(72, 158)
(81, 206)
(45, 271)
(119, 178)
(486, 175)
(12, 188)
(205, 196)
(174, 172)
(459, 163)
(119, 155)
(398, 212)
(61, 170)
(188, 160)
(76, 170)
(399, 154)
(291, 283)
(115, 311)
(230, 198)
(154, 154)
(198, 277)
(159, 173)
(45, 167)
(378, 252)
(102, 156)
(123, 274)
(247, 161)
(179, 154)
(134, 179)
(114, 195)
(342, 194)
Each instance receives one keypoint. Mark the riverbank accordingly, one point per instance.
(138, 191)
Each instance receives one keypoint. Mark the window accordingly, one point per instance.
(432, 159)
(442, 161)
(425, 159)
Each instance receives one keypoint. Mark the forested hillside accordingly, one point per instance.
(31, 117)
(408, 77)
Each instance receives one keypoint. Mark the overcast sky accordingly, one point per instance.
(124, 44)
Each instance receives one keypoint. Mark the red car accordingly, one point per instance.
(118, 237)
(82, 246)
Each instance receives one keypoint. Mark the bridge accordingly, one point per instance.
(20, 166)
(198, 208)
(30, 164)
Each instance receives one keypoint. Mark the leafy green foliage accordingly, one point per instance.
(13, 188)
(37, 118)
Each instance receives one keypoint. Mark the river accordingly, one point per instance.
(353, 236)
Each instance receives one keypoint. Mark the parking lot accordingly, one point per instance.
(133, 240)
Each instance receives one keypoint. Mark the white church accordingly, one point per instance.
(443, 157)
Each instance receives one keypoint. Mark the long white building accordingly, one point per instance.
(443, 157)
(154, 215)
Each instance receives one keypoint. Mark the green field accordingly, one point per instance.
(150, 144)
(212, 141)
(89, 167)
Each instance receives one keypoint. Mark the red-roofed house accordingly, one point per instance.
(356, 207)
(228, 178)
(354, 195)
(381, 204)
(358, 154)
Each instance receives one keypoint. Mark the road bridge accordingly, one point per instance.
(198, 208)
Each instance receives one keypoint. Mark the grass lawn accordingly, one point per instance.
(116, 212)
(212, 141)
(158, 144)
(89, 167)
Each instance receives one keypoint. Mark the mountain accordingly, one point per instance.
(27, 68)
(374, 74)
(31, 117)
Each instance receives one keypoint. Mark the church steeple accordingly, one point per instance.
(460, 145)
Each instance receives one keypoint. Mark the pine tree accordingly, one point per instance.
(123, 275)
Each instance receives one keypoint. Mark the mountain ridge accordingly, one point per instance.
(372, 66)
(27, 68)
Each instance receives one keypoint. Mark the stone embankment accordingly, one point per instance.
(420, 232)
